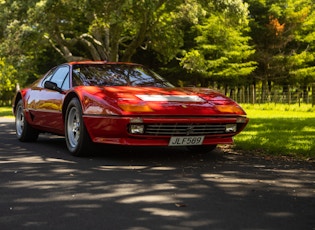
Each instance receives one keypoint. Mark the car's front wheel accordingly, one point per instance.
(24, 131)
(77, 138)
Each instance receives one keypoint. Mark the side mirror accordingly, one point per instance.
(52, 85)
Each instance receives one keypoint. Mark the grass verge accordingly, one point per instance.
(6, 112)
(280, 130)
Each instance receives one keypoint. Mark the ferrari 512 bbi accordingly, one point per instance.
(123, 104)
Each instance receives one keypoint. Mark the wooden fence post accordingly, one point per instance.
(289, 95)
(275, 96)
(243, 94)
(313, 94)
(252, 94)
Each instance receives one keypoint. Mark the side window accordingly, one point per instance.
(76, 80)
(48, 76)
(61, 77)
(66, 83)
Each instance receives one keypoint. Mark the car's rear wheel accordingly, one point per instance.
(24, 131)
(77, 138)
(201, 148)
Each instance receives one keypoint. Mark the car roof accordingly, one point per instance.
(98, 62)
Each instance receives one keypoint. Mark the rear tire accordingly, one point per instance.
(24, 131)
(201, 149)
(77, 138)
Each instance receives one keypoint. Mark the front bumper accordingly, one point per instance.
(115, 129)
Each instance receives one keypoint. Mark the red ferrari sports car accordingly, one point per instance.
(123, 104)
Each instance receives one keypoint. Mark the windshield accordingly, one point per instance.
(116, 75)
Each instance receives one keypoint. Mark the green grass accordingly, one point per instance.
(6, 112)
(281, 130)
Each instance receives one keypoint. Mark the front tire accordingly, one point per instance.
(24, 131)
(77, 138)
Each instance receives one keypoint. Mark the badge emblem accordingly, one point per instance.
(189, 130)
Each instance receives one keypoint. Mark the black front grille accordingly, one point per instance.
(184, 129)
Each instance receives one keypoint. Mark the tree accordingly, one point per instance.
(21, 43)
(41, 33)
(113, 30)
(7, 78)
(283, 34)
(221, 51)
(301, 60)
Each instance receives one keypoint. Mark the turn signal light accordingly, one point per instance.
(135, 108)
(230, 109)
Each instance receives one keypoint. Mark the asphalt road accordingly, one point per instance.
(43, 187)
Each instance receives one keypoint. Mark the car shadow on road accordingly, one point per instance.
(127, 154)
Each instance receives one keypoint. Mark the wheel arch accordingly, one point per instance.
(84, 142)
(66, 102)
(16, 99)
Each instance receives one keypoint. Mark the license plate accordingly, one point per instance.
(186, 141)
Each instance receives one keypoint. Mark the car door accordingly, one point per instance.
(48, 105)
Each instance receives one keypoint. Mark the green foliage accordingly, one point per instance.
(113, 30)
(7, 77)
(283, 32)
(232, 43)
(222, 49)
(21, 41)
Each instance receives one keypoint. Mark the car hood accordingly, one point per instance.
(126, 100)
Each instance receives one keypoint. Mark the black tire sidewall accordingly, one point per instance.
(28, 133)
(79, 149)
(22, 135)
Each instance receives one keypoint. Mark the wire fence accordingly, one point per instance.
(277, 94)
